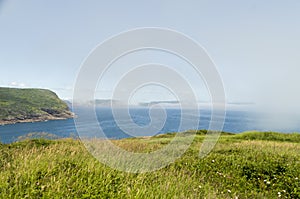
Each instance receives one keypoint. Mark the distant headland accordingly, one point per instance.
(31, 105)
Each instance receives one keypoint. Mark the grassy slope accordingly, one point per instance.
(21, 104)
(248, 165)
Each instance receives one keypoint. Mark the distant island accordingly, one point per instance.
(31, 105)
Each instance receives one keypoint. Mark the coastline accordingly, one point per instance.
(38, 119)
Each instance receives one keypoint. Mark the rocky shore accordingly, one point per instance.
(63, 116)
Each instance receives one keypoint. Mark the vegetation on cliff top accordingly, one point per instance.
(247, 165)
(17, 105)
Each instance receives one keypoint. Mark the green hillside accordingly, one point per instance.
(247, 165)
(25, 105)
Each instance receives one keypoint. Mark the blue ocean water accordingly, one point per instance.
(235, 121)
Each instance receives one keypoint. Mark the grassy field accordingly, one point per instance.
(247, 165)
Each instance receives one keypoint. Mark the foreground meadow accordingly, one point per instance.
(247, 165)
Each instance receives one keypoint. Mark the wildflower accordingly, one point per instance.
(268, 182)
(229, 191)
(279, 194)
(213, 161)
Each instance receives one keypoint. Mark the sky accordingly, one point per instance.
(254, 44)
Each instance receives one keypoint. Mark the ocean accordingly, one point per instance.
(235, 121)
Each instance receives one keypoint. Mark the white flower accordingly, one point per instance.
(268, 182)
(229, 191)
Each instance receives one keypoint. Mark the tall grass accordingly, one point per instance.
(249, 165)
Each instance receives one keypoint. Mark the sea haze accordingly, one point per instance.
(235, 121)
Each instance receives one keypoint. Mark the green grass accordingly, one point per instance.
(247, 165)
(20, 104)
(272, 136)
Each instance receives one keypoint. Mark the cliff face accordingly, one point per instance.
(31, 105)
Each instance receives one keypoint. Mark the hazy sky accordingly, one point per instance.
(254, 44)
